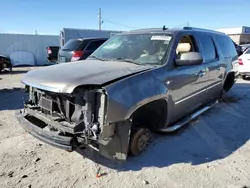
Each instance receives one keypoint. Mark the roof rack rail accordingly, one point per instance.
(156, 29)
(201, 29)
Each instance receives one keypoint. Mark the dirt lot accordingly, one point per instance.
(212, 152)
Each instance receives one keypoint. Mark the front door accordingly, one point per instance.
(186, 84)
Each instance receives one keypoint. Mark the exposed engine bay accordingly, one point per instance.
(79, 117)
(82, 113)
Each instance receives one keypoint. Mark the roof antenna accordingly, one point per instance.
(164, 28)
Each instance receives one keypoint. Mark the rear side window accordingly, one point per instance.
(208, 48)
(227, 46)
(93, 45)
(72, 45)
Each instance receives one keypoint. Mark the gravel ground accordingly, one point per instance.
(214, 151)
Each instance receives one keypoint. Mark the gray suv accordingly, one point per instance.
(135, 83)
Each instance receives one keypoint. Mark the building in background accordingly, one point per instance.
(26, 49)
(240, 35)
(70, 33)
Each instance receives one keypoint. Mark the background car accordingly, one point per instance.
(238, 49)
(79, 49)
(52, 53)
(245, 47)
(244, 64)
(5, 63)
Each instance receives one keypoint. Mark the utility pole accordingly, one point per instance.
(100, 19)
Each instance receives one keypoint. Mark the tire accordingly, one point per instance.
(139, 141)
(244, 77)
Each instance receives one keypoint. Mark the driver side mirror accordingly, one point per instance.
(189, 58)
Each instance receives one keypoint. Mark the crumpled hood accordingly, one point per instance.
(65, 77)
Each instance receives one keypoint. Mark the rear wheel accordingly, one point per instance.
(139, 141)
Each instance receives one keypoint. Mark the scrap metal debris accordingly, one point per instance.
(10, 174)
(37, 159)
(98, 174)
(24, 176)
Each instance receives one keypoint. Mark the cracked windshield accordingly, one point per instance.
(135, 48)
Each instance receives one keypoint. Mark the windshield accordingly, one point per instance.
(135, 48)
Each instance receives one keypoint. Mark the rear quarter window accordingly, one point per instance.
(72, 45)
(226, 45)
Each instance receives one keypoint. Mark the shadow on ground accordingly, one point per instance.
(11, 99)
(217, 134)
(14, 72)
(247, 78)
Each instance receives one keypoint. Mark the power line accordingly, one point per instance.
(116, 23)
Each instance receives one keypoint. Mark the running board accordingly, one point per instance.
(187, 119)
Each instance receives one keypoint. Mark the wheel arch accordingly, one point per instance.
(153, 114)
(229, 80)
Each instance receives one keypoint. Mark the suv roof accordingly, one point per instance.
(171, 30)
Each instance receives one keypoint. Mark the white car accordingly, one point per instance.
(244, 64)
(244, 46)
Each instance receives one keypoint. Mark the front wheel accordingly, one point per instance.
(139, 141)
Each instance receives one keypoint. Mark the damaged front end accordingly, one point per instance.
(77, 120)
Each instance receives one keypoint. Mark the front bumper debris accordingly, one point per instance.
(115, 148)
(49, 137)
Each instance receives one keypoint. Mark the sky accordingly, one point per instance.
(50, 16)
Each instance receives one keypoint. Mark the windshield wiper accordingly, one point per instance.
(98, 58)
(127, 60)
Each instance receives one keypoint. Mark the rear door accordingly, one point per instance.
(214, 66)
(66, 52)
(91, 47)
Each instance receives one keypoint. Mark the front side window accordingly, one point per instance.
(136, 48)
(186, 44)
